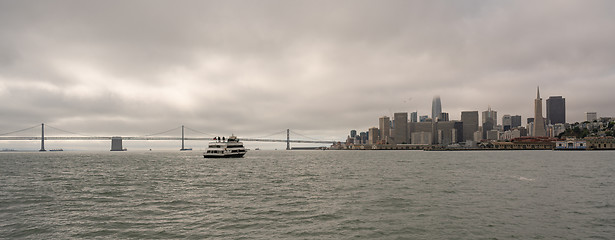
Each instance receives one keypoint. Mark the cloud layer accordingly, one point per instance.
(318, 67)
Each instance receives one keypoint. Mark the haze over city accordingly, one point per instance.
(321, 68)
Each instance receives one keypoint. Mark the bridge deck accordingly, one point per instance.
(161, 138)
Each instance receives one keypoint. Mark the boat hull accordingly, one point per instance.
(223, 155)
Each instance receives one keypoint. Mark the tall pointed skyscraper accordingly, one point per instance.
(436, 108)
(539, 121)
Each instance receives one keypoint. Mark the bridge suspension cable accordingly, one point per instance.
(273, 134)
(293, 132)
(160, 133)
(66, 131)
(25, 129)
(209, 134)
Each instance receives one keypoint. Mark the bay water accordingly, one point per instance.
(308, 195)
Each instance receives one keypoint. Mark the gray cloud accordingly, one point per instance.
(258, 67)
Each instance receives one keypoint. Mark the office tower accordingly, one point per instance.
(556, 110)
(530, 120)
(490, 115)
(423, 118)
(515, 121)
(449, 132)
(363, 136)
(592, 116)
(385, 128)
(434, 133)
(539, 121)
(443, 117)
(401, 127)
(414, 116)
(353, 133)
(436, 108)
(470, 124)
(490, 121)
(507, 122)
(373, 135)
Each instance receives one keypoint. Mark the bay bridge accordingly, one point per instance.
(116, 141)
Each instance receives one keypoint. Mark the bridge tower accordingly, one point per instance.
(42, 138)
(287, 139)
(183, 148)
(182, 139)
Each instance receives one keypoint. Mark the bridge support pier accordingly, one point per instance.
(116, 144)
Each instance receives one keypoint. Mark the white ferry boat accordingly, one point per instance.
(225, 148)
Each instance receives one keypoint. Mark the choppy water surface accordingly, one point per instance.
(309, 194)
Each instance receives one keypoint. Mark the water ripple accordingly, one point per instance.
(308, 195)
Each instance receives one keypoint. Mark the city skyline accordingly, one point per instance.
(254, 68)
(467, 131)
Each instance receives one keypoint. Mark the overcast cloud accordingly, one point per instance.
(320, 68)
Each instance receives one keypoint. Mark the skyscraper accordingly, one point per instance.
(556, 110)
(363, 136)
(490, 121)
(515, 121)
(470, 124)
(436, 108)
(443, 117)
(490, 115)
(539, 121)
(507, 122)
(401, 127)
(414, 117)
(385, 128)
(373, 136)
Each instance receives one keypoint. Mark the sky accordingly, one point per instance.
(319, 68)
